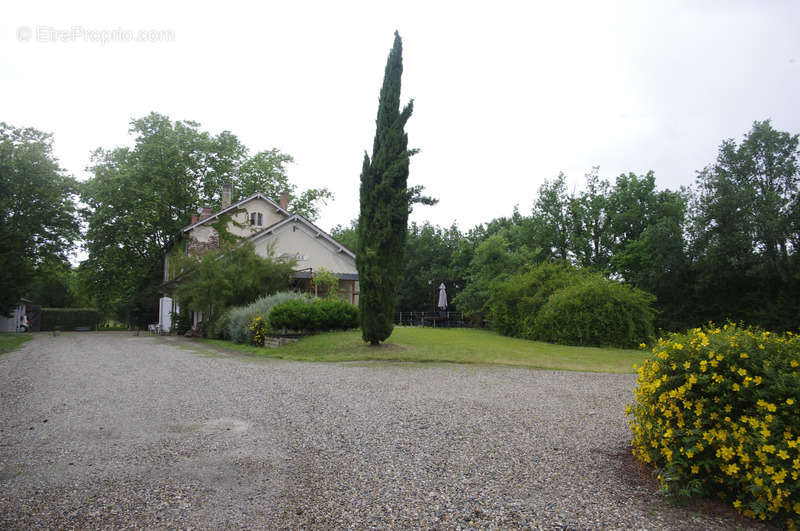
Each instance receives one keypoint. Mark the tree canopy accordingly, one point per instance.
(38, 224)
(746, 226)
(139, 197)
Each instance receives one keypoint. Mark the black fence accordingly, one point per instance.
(432, 319)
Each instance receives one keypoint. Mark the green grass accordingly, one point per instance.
(460, 345)
(12, 341)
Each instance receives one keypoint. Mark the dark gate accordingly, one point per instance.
(35, 317)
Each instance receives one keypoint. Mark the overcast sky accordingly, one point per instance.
(507, 94)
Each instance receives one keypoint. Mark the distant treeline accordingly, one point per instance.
(724, 249)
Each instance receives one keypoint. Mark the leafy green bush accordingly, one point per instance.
(69, 318)
(515, 300)
(717, 412)
(598, 312)
(219, 330)
(240, 318)
(560, 304)
(292, 315)
(181, 321)
(314, 316)
(326, 283)
(336, 315)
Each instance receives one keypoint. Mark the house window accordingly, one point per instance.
(256, 219)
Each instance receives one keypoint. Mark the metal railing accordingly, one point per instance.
(433, 319)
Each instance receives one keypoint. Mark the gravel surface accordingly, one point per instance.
(111, 430)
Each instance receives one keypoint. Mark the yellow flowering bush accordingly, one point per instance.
(717, 413)
(258, 330)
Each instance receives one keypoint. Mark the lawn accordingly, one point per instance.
(454, 345)
(12, 341)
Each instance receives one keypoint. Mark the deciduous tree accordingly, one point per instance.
(265, 172)
(139, 197)
(746, 228)
(38, 221)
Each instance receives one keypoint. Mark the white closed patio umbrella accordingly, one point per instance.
(442, 297)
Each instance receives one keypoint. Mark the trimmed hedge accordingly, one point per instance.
(314, 316)
(717, 413)
(597, 312)
(69, 318)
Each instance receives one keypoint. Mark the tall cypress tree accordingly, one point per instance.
(382, 223)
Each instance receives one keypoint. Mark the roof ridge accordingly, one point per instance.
(308, 222)
(216, 215)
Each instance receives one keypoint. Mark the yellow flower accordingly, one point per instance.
(696, 469)
(726, 453)
(778, 477)
(793, 363)
(733, 468)
(790, 401)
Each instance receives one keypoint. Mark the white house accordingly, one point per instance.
(18, 317)
(276, 233)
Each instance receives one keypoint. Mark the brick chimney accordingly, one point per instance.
(285, 200)
(226, 195)
(194, 219)
(206, 213)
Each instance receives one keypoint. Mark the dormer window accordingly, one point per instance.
(256, 218)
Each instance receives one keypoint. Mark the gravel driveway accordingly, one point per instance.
(110, 430)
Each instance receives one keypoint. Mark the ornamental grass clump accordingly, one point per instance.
(717, 413)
